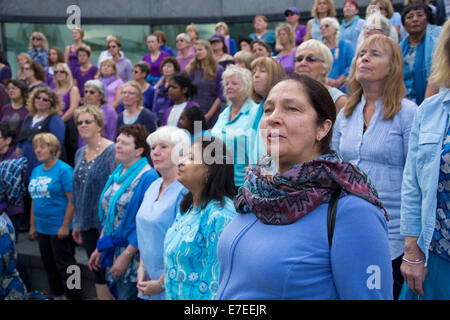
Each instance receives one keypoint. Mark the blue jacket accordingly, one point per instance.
(421, 174)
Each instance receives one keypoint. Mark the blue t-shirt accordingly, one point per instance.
(48, 189)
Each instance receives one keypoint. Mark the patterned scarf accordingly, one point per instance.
(283, 198)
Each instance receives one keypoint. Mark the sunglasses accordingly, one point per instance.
(80, 123)
(41, 98)
(36, 38)
(309, 59)
(290, 13)
(59, 71)
(90, 91)
(136, 71)
(324, 26)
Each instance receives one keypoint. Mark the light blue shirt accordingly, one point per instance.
(421, 174)
(152, 221)
(258, 148)
(237, 135)
(190, 252)
(381, 153)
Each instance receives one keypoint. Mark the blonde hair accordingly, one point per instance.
(210, 68)
(138, 87)
(331, 9)
(44, 43)
(192, 27)
(68, 82)
(49, 140)
(440, 69)
(386, 4)
(95, 112)
(393, 90)
(224, 26)
(245, 57)
(322, 52)
(29, 60)
(289, 31)
(80, 31)
(55, 101)
(110, 61)
(275, 72)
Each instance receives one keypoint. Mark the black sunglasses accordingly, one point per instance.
(58, 71)
(89, 91)
(42, 98)
(308, 59)
(36, 38)
(80, 123)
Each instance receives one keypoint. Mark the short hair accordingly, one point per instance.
(266, 20)
(40, 35)
(321, 101)
(98, 86)
(386, 4)
(161, 35)
(322, 52)
(59, 54)
(353, 2)
(331, 9)
(95, 112)
(83, 49)
(220, 182)
(39, 72)
(49, 140)
(80, 31)
(172, 60)
(55, 101)
(374, 18)
(21, 85)
(244, 76)
(68, 82)
(184, 36)
(192, 27)
(245, 57)
(7, 131)
(274, 70)
(115, 40)
(138, 88)
(335, 24)
(110, 61)
(289, 31)
(223, 25)
(144, 66)
(417, 6)
(177, 137)
(263, 44)
(139, 133)
(184, 81)
(441, 59)
(393, 90)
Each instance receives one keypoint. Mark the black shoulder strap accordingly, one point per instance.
(331, 215)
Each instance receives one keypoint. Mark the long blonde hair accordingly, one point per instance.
(68, 82)
(210, 66)
(394, 89)
(44, 43)
(440, 69)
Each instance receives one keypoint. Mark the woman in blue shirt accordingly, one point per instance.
(159, 207)
(50, 189)
(277, 246)
(425, 215)
(191, 268)
(372, 131)
(262, 31)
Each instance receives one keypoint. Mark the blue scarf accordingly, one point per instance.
(352, 24)
(125, 179)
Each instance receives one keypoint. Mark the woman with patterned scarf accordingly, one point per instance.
(278, 247)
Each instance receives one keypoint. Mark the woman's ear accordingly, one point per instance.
(323, 130)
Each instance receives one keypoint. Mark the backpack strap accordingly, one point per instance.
(331, 215)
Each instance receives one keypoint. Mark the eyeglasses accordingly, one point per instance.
(90, 91)
(80, 123)
(11, 88)
(41, 98)
(126, 93)
(59, 71)
(136, 71)
(309, 59)
(324, 26)
(36, 38)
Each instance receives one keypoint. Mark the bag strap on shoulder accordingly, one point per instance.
(331, 215)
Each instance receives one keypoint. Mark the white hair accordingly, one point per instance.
(243, 74)
(179, 138)
(335, 24)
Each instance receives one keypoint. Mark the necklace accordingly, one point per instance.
(85, 166)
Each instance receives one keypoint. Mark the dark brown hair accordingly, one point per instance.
(39, 72)
(171, 60)
(139, 133)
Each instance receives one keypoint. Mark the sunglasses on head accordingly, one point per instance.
(42, 98)
(80, 123)
(308, 59)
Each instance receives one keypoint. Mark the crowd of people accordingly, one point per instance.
(306, 162)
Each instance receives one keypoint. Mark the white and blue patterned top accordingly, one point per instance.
(191, 266)
(440, 244)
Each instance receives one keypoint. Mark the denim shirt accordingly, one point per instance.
(381, 153)
(421, 174)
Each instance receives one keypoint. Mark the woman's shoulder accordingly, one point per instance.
(353, 207)
(226, 208)
(63, 165)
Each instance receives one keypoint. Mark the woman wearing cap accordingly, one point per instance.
(321, 9)
(220, 50)
(292, 18)
(352, 24)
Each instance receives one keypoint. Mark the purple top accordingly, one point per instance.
(83, 76)
(185, 61)
(49, 79)
(66, 100)
(13, 117)
(111, 89)
(73, 62)
(124, 68)
(154, 71)
(207, 92)
(299, 34)
(189, 103)
(287, 62)
(161, 101)
(110, 121)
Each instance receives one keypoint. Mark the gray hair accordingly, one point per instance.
(97, 85)
(322, 52)
(378, 21)
(179, 138)
(243, 74)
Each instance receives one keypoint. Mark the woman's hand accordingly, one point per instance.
(120, 265)
(63, 232)
(76, 235)
(149, 288)
(414, 274)
(94, 260)
(32, 232)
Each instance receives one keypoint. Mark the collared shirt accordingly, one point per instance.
(237, 135)
(421, 174)
(381, 152)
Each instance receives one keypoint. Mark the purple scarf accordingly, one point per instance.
(283, 198)
(107, 81)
